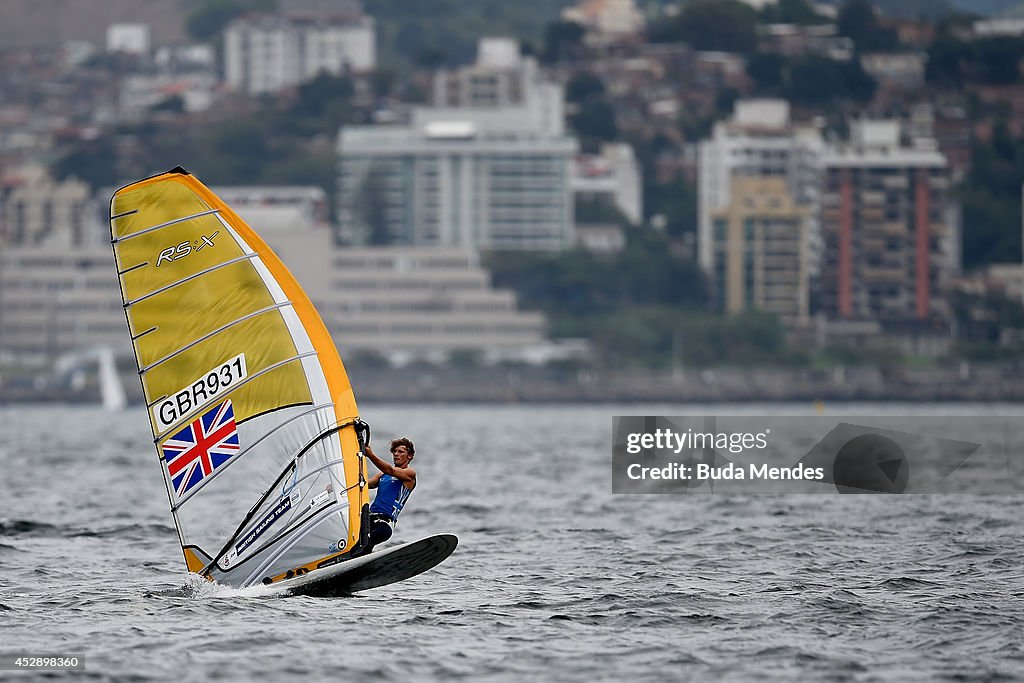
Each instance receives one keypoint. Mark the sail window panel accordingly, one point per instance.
(153, 203)
(211, 514)
(173, 253)
(322, 531)
(193, 309)
(311, 488)
(286, 384)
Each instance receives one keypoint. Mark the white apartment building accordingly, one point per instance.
(902, 69)
(998, 26)
(495, 175)
(468, 182)
(279, 207)
(35, 208)
(606, 20)
(500, 77)
(129, 38)
(267, 53)
(139, 94)
(759, 140)
(613, 175)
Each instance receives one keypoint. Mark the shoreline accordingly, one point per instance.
(498, 385)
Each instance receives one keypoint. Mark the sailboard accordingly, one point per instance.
(253, 416)
(380, 568)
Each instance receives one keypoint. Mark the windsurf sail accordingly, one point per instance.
(253, 416)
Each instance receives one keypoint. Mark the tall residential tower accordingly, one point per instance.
(886, 222)
(493, 173)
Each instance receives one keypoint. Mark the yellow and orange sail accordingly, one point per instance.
(252, 412)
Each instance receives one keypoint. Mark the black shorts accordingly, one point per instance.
(380, 531)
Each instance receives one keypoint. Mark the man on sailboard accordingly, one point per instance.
(394, 485)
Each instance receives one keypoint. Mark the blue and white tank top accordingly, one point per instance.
(391, 497)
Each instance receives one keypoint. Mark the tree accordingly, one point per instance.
(596, 120)
(858, 21)
(725, 102)
(995, 60)
(583, 86)
(726, 25)
(316, 95)
(816, 81)
(998, 60)
(431, 58)
(578, 283)
(92, 161)
(383, 80)
(406, 27)
(598, 209)
(242, 146)
(856, 83)
(792, 12)
(209, 20)
(766, 70)
(947, 57)
(677, 202)
(562, 40)
(990, 198)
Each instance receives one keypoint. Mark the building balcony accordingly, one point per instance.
(872, 214)
(884, 274)
(893, 228)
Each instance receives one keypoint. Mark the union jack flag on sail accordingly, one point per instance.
(197, 450)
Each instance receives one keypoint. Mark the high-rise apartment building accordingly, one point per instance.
(266, 53)
(887, 229)
(759, 140)
(500, 77)
(494, 174)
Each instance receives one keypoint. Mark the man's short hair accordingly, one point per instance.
(402, 441)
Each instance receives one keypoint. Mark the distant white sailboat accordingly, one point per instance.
(111, 389)
(76, 365)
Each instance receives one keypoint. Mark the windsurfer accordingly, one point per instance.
(394, 484)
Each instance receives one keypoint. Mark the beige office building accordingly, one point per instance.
(761, 244)
(760, 139)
